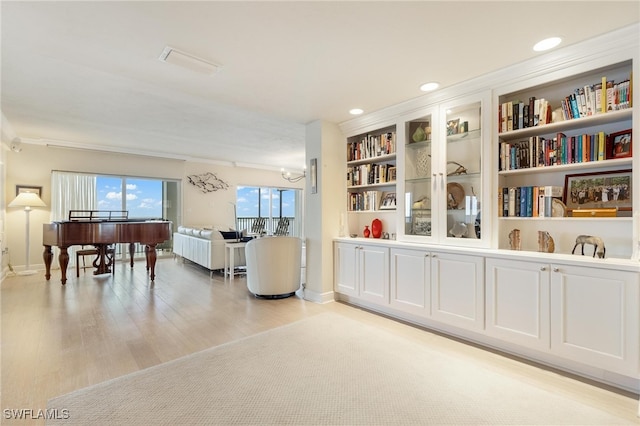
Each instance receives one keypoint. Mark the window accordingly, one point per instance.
(144, 198)
(270, 203)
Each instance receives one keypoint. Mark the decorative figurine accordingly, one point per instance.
(545, 242)
(598, 245)
(366, 231)
(514, 239)
(458, 230)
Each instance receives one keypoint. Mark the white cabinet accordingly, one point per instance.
(586, 314)
(410, 281)
(444, 286)
(444, 170)
(346, 268)
(457, 290)
(362, 271)
(595, 317)
(517, 302)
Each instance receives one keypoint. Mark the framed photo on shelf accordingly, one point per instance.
(391, 174)
(620, 145)
(388, 201)
(453, 127)
(599, 190)
(421, 225)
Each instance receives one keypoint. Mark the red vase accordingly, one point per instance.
(376, 228)
(366, 231)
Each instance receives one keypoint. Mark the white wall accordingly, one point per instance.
(326, 143)
(215, 208)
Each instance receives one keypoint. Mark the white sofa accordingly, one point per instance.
(205, 246)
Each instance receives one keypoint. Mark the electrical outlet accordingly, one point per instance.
(5, 250)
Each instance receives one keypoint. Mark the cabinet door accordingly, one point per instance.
(416, 168)
(410, 277)
(374, 274)
(461, 175)
(518, 302)
(346, 269)
(457, 289)
(594, 317)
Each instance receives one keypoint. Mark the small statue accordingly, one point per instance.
(598, 245)
(458, 230)
(545, 242)
(514, 239)
(421, 204)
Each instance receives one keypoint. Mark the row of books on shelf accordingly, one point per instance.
(598, 98)
(528, 201)
(371, 146)
(538, 151)
(594, 99)
(519, 115)
(369, 174)
(364, 201)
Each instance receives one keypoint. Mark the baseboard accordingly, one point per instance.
(316, 297)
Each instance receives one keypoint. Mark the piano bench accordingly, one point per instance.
(93, 252)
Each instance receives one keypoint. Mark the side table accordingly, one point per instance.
(229, 257)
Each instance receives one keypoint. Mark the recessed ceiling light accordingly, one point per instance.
(428, 87)
(186, 60)
(547, 43)
(355, 111)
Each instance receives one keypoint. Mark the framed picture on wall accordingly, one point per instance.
(28, 188)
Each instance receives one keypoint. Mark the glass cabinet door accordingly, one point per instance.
(418, 177)
(462, 172)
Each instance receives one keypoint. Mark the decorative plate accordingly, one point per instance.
(455, 196)
(558, 208)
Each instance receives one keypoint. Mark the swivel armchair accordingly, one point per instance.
(273, 266)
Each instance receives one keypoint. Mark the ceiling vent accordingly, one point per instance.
(185, 60)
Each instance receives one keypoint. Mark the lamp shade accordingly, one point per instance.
(27, 199)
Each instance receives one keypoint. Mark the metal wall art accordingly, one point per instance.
(207, 182)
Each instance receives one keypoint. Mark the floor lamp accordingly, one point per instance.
(27, 200)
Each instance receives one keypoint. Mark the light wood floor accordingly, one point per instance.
(56, 339)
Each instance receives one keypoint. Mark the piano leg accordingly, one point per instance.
(48, 257)
(100, 262)
(132, 249)
(150, 249)
(64, 262)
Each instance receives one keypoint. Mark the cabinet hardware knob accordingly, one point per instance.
(433, 255)
(434, 175)
(440, 174)
(556, 269)
(543, 268)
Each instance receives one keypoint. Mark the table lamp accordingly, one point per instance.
(27, 200)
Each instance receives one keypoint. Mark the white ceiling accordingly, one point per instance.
(87, 74)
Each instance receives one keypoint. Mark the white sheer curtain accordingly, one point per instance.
(71, 191)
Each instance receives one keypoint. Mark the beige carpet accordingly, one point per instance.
(327, 369)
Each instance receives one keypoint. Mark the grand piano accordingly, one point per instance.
(102, 229)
